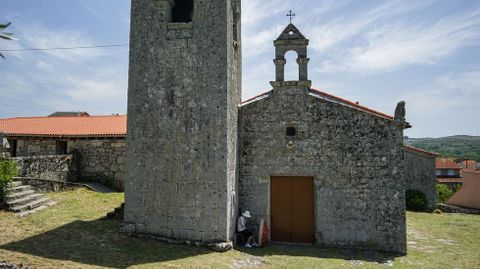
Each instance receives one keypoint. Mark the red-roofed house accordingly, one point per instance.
(470, 165)
(447, 170)
(98, 143)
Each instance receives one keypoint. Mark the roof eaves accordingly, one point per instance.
(408, 147)
(256, 98)
(347, 103)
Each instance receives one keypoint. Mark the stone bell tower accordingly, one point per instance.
(291, 39)
(183, 97)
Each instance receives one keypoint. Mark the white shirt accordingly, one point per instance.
(242, 221)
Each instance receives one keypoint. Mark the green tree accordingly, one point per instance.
(8, 170)
(5, 36)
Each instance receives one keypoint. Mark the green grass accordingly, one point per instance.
(73, 235)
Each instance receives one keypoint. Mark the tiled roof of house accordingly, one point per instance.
(90, 126)
(444, 163)
(408, 147)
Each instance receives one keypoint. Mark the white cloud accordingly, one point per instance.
(454, 93)
(36, 35)
(400, 44)
(88, 79)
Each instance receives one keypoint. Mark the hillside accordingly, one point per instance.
(459, 146)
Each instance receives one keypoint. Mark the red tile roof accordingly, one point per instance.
(444, 163)
(92, 126)
(408, 147)
(350, 103)
(469, 164)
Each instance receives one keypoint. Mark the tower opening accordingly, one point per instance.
(182, 11)
(291, 67)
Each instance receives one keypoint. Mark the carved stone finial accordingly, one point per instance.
(400, 111)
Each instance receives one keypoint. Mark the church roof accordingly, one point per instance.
(91, 126)
(327, 97)
(414, 149)
(291, 32)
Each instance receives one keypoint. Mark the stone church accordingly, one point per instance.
(317, 168)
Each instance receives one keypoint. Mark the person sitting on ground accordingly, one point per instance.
(242, 228)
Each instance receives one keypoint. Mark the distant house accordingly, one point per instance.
(446, 168)
(69, 114)
(470, 165)
(448, 172)
(97, 143)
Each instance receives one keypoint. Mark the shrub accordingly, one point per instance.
(8, 170)
(444, 192)
(416, 200)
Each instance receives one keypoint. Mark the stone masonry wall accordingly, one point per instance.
(184, 91)
(100, 159)
(61, 168)
(356, 160)
(420, 175)
(35, 147)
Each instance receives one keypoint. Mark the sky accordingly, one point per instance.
(377, 53)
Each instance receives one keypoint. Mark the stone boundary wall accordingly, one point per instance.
(101, 160)
(419, 173)
(457, 209)
(43, 185)
(60, 168)
(36, 147)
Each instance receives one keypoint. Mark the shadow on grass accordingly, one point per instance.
(100, 243)
(326, 253)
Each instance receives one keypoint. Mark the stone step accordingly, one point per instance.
(19, 195)
(21, 188)
(24, 200)
(31, 211)
(31, 205)
(16, 183)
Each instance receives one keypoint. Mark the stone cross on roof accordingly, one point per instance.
(291, 15)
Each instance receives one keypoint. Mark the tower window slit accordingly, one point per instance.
(182, 11)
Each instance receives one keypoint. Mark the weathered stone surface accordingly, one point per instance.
(355, 157)
(61, 168)
(420, 175)
(184, 91)
(100, 159)
(35, 147)
(44, 186)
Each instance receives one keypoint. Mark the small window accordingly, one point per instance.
(291, 131)
(61, 147)
(182, 11)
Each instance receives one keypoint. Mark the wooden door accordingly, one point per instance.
(292, 209)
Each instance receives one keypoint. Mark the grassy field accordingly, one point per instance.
(73, 235)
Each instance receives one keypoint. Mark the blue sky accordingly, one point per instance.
(374, 52)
